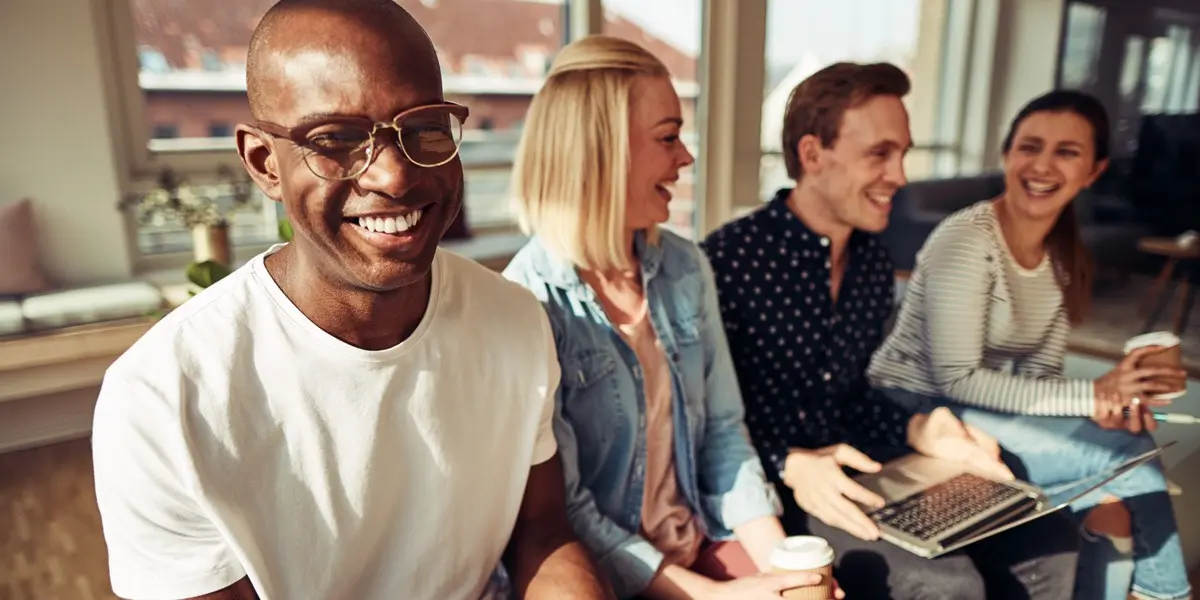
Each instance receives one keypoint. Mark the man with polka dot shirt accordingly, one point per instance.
(805, 287)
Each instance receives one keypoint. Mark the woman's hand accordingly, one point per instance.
(765, 586)
(941, 435)
(1128, 386)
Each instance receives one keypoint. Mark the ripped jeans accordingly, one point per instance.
(1052, 451)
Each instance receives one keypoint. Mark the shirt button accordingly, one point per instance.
(825, 242)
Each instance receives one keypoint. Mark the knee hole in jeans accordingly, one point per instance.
(1110, 519)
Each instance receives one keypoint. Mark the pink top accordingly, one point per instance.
(667, 521)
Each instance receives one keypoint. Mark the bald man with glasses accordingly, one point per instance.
(357, 413)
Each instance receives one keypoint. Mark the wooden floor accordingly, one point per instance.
(51, 546)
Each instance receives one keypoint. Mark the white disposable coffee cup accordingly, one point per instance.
(1166, 339)
(805, 553)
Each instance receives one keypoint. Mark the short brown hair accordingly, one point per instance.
(816, 106)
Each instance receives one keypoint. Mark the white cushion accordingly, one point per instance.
(10, 317)
(81, 306)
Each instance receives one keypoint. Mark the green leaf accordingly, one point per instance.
(285, 230)
(206, 273)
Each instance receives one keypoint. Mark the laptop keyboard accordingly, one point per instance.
(926, 514)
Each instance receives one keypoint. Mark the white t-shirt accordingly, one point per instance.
(237, 438)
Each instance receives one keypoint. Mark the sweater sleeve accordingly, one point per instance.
(958, 270)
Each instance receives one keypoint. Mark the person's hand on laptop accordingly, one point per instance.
(823, 490)
(940, 434)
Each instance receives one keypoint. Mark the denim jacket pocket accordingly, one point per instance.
(583, 368)
(687, 330)
(689, 356)
(589, 382)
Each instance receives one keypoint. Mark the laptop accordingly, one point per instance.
(935, 506)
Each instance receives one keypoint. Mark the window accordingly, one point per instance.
(670, 29)
(1168, 68)
(1137, 59)
(152, 61)
(1081, 50)
(165, 131)
(190, 65)
(804, 36)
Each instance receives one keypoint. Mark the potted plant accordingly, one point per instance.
(196, 208)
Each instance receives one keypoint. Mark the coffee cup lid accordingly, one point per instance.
(802, 553)
(1165, 339)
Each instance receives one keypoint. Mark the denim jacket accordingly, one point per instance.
(600, 414)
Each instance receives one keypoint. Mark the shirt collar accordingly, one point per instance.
(798, 236)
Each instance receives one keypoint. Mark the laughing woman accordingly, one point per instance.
(663, 484)
(984, 326)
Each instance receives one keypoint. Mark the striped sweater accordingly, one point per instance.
(977, 328)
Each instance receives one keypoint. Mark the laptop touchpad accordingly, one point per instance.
(909, 475)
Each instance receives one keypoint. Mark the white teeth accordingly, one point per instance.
(880, 198)
(395, 224)
(1040, 188)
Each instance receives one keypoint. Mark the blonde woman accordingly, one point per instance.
(663, 484)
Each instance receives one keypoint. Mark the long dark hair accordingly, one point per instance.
(1072, 261)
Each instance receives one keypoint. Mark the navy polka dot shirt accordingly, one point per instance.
(801, 359)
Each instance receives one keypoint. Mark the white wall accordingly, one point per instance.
(58, 146)
(1026, 56)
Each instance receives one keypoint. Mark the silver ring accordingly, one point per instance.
(1137, 400)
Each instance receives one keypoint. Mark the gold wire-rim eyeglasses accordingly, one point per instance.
(298, 136)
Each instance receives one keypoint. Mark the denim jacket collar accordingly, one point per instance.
(560, 273)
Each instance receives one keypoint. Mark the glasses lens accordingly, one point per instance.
(430, 136)
(338, 151)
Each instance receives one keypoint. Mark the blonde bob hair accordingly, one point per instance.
(572, 164)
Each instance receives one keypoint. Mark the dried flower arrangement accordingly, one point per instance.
(173, 200)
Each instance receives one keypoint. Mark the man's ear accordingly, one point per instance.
(259, 158)
(808, 149)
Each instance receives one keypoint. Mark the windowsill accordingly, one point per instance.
(76, 357)
(491, 249)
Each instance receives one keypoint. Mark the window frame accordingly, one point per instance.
(961, 67)
(138, 165)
